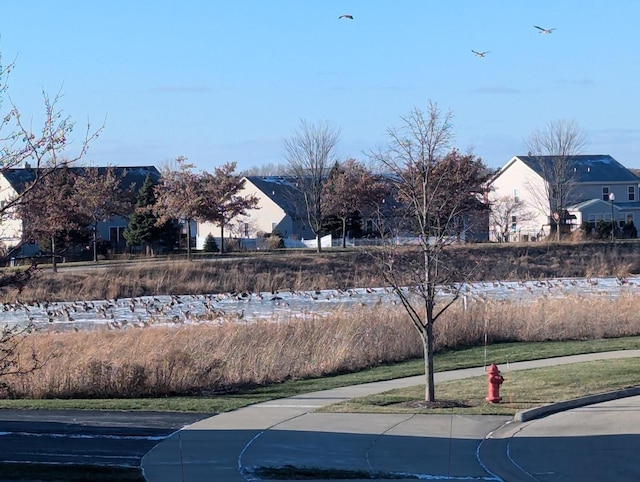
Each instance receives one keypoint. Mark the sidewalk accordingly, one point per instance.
(283, 432)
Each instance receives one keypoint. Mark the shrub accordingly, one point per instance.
(629, 231)
(210, 244)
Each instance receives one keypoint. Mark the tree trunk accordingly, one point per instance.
(318, 243)
(189, 239)
(221, 238)
(95, 242)
(427, 346)
(344, 232)
(54, 266)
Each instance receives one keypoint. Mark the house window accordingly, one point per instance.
(369, 225)
(514, 223)
(115, 233)
(516, 195)
(632, 193)
(605, 193)
(246, 230)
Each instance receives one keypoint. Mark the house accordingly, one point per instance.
(280, 207)
(597, 188)
(13, 182)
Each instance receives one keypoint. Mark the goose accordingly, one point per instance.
(544, 31)
(480, 54)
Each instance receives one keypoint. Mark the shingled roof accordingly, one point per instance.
(283, 191)
(18, 178)
(586, 168)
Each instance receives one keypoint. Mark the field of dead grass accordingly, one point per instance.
(207, 359)
(179, 360)
(328, 270)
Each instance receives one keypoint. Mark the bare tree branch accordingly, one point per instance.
(552, 147)
(310, 153)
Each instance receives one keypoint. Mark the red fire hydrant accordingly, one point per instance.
(495, 380)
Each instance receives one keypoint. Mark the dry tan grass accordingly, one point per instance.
(329, 270)
(159, 361)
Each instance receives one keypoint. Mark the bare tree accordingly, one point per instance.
(46, 148)
(503, 212)
(269, 169)
(310, 153)
(552, 148)
(437, 188)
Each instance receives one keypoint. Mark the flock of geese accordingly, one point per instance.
(146, 311)
(542, 30)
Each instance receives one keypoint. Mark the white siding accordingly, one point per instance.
(516, 175)
(259, 220)
(10, 227)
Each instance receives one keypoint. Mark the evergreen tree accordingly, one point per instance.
(210, 244)
(143, 226)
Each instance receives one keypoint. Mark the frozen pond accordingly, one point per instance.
(280, 306)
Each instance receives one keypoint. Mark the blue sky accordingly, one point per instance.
(220, 81)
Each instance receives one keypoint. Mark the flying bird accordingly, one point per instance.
(480, 54)
(350, 17)
(544, 30)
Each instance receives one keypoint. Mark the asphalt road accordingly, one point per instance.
(86, 437)
(591, 444)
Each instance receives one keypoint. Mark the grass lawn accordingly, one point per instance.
(521, 390)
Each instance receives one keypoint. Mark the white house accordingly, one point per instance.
(601, 189)
(280, 207)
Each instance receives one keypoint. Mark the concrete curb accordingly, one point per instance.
(543, 411)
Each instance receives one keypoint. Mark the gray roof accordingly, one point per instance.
(587, 168)
(18, 178)
(283, 191)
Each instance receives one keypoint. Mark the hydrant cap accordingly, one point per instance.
(493, 368)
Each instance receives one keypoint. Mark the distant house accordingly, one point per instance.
(14, 181)
(280, 208)
(601, 189)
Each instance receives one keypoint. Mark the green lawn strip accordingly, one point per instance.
(32, 472)
(445, 361)
(522, 389)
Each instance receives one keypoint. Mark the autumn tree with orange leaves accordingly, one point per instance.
(351, 189)
(213, 197)
(224, 201)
